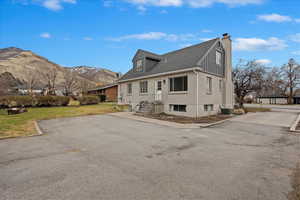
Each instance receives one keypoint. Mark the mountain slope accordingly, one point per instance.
(99, 75)
(25, 65)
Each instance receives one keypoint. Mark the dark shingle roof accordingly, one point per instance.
(104, 86)
(176, 60)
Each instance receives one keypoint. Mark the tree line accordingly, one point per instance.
(253, 77)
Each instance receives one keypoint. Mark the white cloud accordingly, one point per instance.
(162, 3)
(107, 3)
(88, 38)
(45, 35)
(274, 18)
(295, 37)
(54, 5)
(297, 53)
(163, 12)
(185, 45)
(157, 36)
(206, 31)
(258, 44)
(297, 20)
(141, 9)
(193, 3)
(205, 39)
(263, 61)
(231, 3)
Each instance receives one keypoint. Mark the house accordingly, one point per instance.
(110, 91)
(279, 98)
(193, 81)
(272, 99)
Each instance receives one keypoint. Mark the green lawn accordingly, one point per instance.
(23, 124)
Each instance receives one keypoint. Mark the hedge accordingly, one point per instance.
(46, 101)
(88, 100)
(28, 101)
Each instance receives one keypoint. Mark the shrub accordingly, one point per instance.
(46, 101)
(16, 101)
(88, 100)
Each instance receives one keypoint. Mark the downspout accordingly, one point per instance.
(197, 93)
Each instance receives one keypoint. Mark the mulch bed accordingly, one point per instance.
(185, 120)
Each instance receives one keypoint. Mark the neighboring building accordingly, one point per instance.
(193, 81)
(110, 91)
(279, 99)
(272, 99)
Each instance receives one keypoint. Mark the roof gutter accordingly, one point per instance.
(161, 74)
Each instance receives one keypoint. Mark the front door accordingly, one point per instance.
(158, 92)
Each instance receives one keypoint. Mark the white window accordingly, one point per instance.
(177, 108)
(208, 107)
(220, 85)
(218, 58)
(209, 85)
(143, 86)
(139, 66)
(129, 88)
(178, 84)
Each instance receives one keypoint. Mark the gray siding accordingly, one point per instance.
(209, 62)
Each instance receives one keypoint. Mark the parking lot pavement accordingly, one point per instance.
(281, 119)
(106, 157)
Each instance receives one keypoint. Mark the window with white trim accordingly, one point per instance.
(218, 57)
(177, 108)
(208, 85)
(208, 107)
(143, 87)
(129, 88)
(220, 85)
(139, 65)
(178, 84)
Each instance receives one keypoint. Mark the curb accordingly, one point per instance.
(216, 123)
(37, 128)
(294, 125)
(174, 124)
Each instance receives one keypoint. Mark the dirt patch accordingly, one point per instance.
(185, 120)
(295, 182)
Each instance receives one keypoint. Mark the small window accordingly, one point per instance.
(143, 86)
(129, 88)
(177, 108)
(220, 85)
(178, 84)
(218, 58)
(209, 85)
(208, 107)
(139, 66)
(158, 85)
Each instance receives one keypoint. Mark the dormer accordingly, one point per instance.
(144, 61)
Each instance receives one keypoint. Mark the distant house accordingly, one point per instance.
(273, 99)
(193, 81)
(110, 91)
(279, 99)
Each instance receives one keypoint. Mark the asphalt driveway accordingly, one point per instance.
(111, 158)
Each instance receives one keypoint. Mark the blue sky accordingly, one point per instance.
(107, 33)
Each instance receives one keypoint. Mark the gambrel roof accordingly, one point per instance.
(173, 61)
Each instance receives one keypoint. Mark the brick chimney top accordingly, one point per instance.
(226, 36)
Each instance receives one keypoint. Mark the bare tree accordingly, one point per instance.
(291, 75)
(69, 82)
(248, 77)
(4, 86)
(50, 76)
(274, 84)
(84, 86)
(32, 80)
